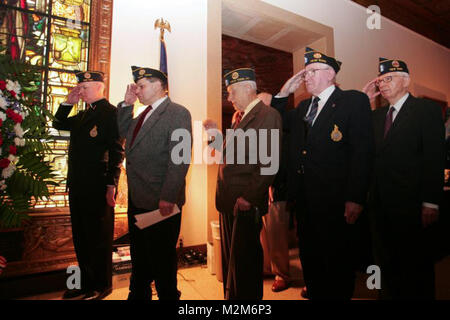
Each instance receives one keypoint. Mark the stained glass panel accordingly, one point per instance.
(24, 36)
(58, 195)
(53, 34)
(59, 85)
(69, 46)
(78, 10)
(33, 5)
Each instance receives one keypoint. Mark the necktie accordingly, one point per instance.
(388, 121)
(313, 112)
(139, 124)
(238, 119)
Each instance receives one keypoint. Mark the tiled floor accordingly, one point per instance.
(197, 283)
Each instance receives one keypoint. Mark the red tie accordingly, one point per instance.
(139, 124)
(238, 119)
(388, 121)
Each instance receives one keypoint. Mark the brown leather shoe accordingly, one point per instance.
(304, 293)
(280, 285)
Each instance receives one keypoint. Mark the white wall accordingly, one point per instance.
(136, 42)
(359, 48)
(194, 62)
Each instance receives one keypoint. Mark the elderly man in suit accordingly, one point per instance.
(329, 160)
(95, 156)
(242, 187)
(407, 183)
(155, 181)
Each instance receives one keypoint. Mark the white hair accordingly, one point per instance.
(251, 83)
(403, 74)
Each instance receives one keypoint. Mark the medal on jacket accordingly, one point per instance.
(93, 132)
(336, 135)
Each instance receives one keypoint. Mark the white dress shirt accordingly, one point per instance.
(398, 105)
(323, 96)
(155, 105)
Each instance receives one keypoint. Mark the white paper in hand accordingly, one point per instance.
(147, 219)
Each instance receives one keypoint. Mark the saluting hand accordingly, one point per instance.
(292, 84)
(352, 211)
(371, 89)
(74, 95)
(130, 94)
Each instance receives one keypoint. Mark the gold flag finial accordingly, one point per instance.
(162, 25)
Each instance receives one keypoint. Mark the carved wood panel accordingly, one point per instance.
(100, 41)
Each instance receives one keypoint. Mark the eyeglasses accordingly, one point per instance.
(385, 80)
(311, 73)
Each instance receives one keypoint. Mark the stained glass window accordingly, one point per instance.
(53, 34)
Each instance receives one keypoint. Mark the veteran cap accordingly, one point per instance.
(239, 75)
(88, 76)
(389, 65)
(141, 72)
(313, 56)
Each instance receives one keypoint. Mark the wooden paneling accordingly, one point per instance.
(100, 41)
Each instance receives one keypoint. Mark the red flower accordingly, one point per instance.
(12, 149)
(1, 141)
(17, 118)
(1, 122)
(2, 85)
(13, 93)
(4, 163)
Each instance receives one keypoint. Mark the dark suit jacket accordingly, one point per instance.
(152, 175)
(245, 180)
(409, 163)
(96, 150)
(332, 171)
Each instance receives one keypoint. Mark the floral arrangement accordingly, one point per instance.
(24, 134)
(12, 114)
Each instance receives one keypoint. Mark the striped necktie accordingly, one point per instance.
(312, 114)
(238, 119)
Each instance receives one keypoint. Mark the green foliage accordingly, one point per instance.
(33, 173)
